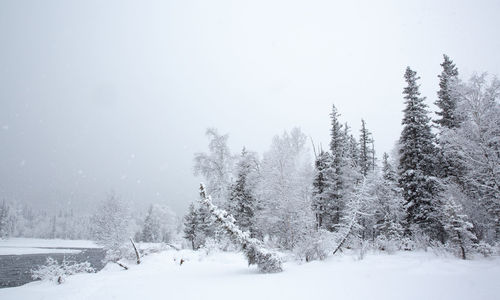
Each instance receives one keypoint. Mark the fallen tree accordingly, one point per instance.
(267, 261)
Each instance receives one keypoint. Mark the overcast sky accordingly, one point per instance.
(100, 96)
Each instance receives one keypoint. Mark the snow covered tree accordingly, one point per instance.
(449, 164)
(285, 189)
(351, 227)
(5, 229)
(111, 226)
(477, 142)
(447, 101)
(457, 225)
(322, 191)
(416, 162)
(191, 226)
(216, 166)
(242, 203)
(151, 230)
(389, 212)
(267, 261)
(338, 146)
(366, 157)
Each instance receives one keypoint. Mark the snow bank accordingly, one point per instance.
(49, 243)
(20, 246)
(29, 250)
(226, 276)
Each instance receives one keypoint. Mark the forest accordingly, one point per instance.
(439, 188)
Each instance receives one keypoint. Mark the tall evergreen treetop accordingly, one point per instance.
(416, 162)
(446, 102)
(367, 153)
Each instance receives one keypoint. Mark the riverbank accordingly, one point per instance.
(222, 275)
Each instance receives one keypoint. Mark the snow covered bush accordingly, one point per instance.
(389, 245)
(315, 246)
(57, 272)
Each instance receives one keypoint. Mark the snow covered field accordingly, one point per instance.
(416, 275)
(20, 246)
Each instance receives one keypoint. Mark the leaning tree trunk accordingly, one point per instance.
(136, 252)
(267, 261)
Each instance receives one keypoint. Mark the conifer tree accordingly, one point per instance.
(242, 203)
(366, 150)
(417, 160)
(337, 149)
(447, 102)
(322, 191)
(191, 226)
(151, 232)
(457, 226)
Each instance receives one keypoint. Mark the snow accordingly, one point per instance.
(415, 275)
(29, 250)
(55, 243)
(19, 246)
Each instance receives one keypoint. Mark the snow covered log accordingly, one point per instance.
(267, 261)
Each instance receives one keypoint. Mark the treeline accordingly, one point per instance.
(112, 219)
(440, 188)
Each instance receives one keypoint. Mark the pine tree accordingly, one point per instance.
(447, 102)
(417, 160)
(191, 226)
(242, 203)
(367, 153)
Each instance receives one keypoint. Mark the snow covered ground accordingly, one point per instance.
(19, 246)
(226, 276)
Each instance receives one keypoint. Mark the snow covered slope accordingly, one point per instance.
(226, 276)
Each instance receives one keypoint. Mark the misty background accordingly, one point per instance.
(109, 96)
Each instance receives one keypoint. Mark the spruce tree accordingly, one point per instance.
(322, 191)
(337, 149)
(242, 204)
(191, 226)
(416, 162)
(447, 102)
(366, 150)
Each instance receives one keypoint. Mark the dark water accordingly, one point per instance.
(15, 270)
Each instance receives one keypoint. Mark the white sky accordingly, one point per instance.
(100, 96)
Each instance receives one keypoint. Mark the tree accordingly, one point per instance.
(191, 226)
(476, 141)
(5, 229)
(242, 203)
(389, 213)
(285, 190)
(416, 162)
(338, 146)
(322, 191)
(450, 163)
(159, 225)
(111, 226)
(447, 101)
(216, 166)
(366, 158)
(457, 225)
(267, 261)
